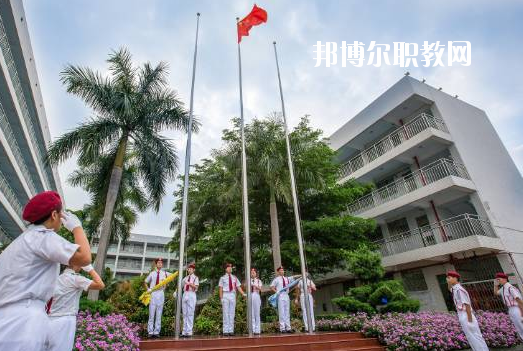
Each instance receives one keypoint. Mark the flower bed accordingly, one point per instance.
(425, 330)
(112, 332)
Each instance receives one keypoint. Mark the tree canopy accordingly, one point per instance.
(215, 229)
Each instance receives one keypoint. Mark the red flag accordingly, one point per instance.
(256, 17)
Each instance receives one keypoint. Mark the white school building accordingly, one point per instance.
(448, 195)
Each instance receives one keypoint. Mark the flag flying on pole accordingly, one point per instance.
(256, 17)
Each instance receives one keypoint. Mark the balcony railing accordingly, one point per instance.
(426, 175)
(15, 80)
(9, 135)
(392, 140)
(10, 195)
(454, 228)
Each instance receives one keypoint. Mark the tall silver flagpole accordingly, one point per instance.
(245, 202)
(295, 202)
(183, 230)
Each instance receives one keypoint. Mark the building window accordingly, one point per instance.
(414, 280)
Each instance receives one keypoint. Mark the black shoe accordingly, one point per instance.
(150, 336)
(290, 331)
(156, 336)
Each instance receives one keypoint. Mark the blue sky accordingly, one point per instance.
(84, 32)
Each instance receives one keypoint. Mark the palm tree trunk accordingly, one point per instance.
(110, 201)
(275, 231)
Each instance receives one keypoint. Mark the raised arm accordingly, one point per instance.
(97, 283)
(82, 256)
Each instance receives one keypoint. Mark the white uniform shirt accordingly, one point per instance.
(66, 297)
(30, 265)
(461, 297)
(193, 279)
(280, 281)
(151, 278)
(256, 283)
(509, 294)
(224, 283)
(310, 286)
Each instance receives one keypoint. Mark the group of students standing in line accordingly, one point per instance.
(228, 286)
(38, 305)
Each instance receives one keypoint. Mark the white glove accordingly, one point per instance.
(149, 290)
(88, 268)
(70, 221)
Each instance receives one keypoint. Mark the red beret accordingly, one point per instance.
(158, 259)
(228, 265)
(253, 269)
(501, 275)
(279, 268)
(191, 265)
(453, 274)
(41, 206)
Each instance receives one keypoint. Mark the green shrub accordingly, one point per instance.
(331, 316)
(274, 327)
(268, 314)
(211, 316)
(351, 305)
(101, 307)
(408, 305)
(393, 290)
(207, 326)
(361, 293)
(379, 293)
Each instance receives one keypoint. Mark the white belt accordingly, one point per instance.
(26, 303)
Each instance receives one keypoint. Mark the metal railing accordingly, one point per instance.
(10, 195)
(9, 135)
(426, 175)
(454, 228)
(392, 140)
(15, 80)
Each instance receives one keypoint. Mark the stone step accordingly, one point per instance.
(342, 341)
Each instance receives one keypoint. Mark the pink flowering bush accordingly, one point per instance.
(113, 332)
(425, 330)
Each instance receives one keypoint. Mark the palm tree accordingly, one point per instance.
(267, 167)
(131, 107)
(131, 198)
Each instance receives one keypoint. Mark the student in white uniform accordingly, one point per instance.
(62, 308)
(29, 267)
(256, 288)
(190, 287)
(466, 317)
(284, 312)
(157, 298)
(310, 288)
(228, 285)
(511, 297)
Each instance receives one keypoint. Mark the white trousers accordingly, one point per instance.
(228, 311)
(304, 311)
(23, 326)
(188, 306)
(256, 307)
(515, 315)
(155, 313)
(61, 332)
(472, 332)
(284, 312)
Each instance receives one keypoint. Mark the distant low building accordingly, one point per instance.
(136, 256)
